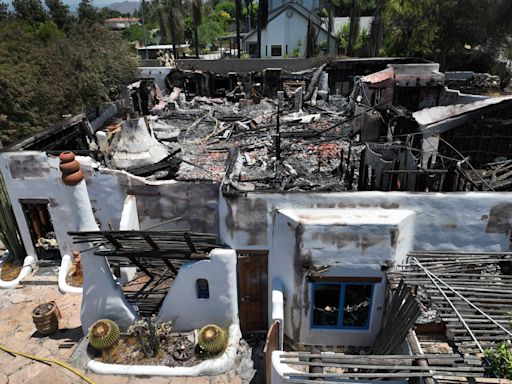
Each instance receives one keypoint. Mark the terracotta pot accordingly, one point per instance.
(66, 157)
(46, 318)
(69, 168)
(74, 178)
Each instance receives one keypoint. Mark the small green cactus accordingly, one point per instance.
(213, 339)
(103, 334)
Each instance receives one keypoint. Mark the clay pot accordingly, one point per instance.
(66, 157)
(69, 168)
(74, 178)
(46, 318)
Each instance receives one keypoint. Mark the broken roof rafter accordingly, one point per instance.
(477, 284)
(167, 245)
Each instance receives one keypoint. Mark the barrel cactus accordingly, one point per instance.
(103, 334)
(212, 339)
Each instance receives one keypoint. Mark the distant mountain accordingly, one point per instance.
(125, 6)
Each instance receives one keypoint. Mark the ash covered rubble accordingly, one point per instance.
(398, 129)
(245, 139)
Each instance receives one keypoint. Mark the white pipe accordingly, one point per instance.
(278, 307)
(129, 221)
(461, 318)
(65, 266)
(210, 367)
(463, 298)
(26, 269)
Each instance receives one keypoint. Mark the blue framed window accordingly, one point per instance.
(341, 305)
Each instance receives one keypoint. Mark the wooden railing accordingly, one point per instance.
(271, 345)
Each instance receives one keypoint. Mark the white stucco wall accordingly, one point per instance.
(186, 311)
(34, 175)
(157, 73)
(469, 221)
(288, 28)
(340, 243)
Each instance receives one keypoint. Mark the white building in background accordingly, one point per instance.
(365, 23)
(121, 22)
(287, 29)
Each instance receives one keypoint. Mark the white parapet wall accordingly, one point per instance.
(65, 267)
(462, 221)
(211, 367)
(186, 310)
(26, 269)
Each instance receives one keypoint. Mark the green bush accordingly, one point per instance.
(500, 360)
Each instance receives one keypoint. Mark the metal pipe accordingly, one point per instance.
(451, 304)
(466, 300)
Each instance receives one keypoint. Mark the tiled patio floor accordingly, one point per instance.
(18, 332)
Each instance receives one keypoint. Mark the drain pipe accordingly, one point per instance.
(102, 295)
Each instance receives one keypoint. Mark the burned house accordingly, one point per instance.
(295, 199)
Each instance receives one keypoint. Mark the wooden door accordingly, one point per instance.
(252, 290)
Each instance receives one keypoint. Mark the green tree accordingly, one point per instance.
(107, 13)
(4, 11)
(440, 30)
(343, 7)
(227, 6)
(59, 13)
(48, 31)
(196, 21)
(209, 31)
(31, 11)
(170, 15)
(136, 33)
(80, 71)
(359, 42)
(87, 13)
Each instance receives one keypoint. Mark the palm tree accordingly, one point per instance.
(262, 21)
(330, 22)
(248, 5)
(238, 4)
(196, 20)
(355, 14)
(310, 40)
(170, 20)
(377, 29)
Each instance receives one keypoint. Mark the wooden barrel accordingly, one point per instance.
(45, 318)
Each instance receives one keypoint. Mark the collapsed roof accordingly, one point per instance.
(399, 128)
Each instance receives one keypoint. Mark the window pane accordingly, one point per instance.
(356, 307)
(276, 50)
(326, 305)
(202, 289)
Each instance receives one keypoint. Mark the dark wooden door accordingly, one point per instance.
(252, 290)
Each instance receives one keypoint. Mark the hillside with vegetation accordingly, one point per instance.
(53, 64)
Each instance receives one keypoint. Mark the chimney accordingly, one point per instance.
(102, 296)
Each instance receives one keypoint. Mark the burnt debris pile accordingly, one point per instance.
(376, 124)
